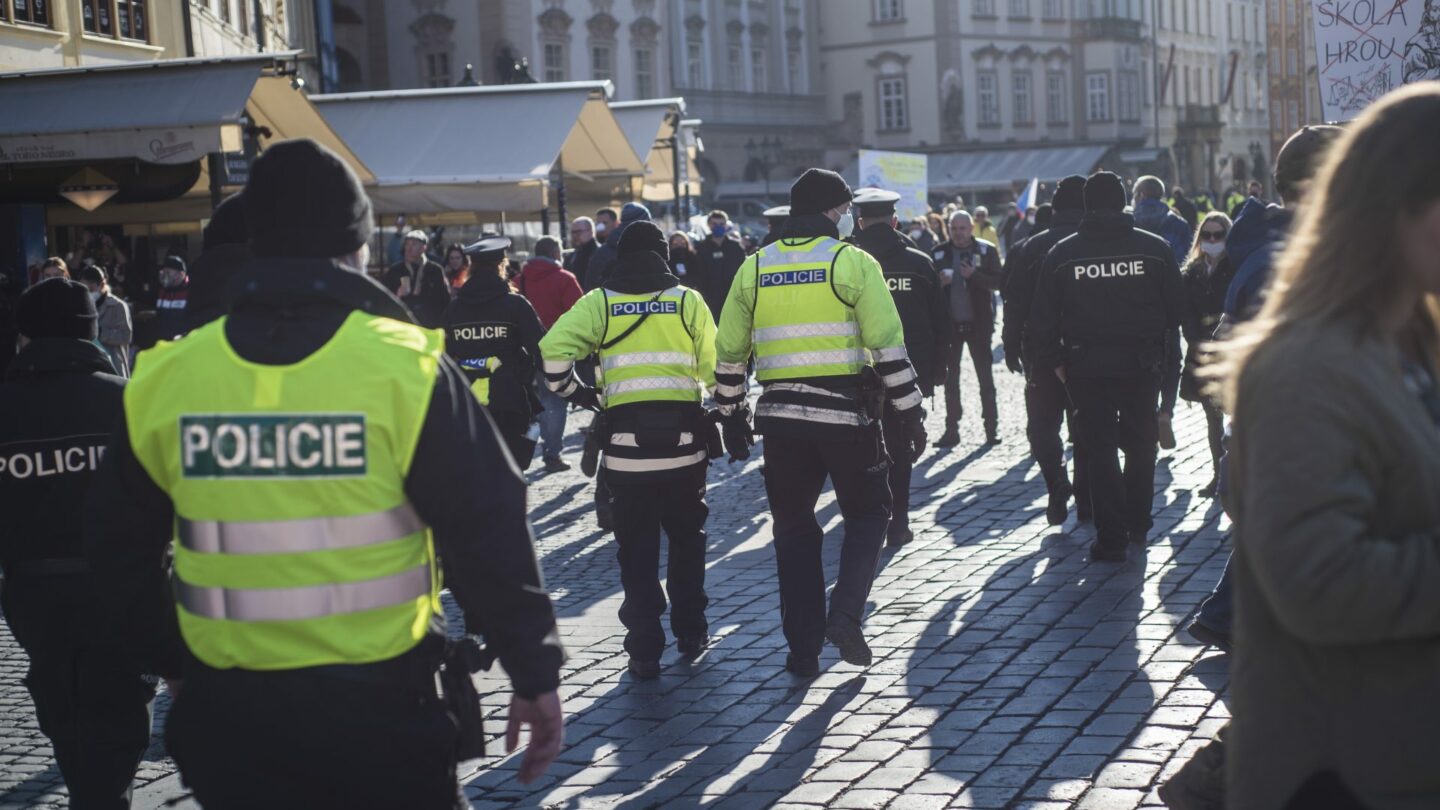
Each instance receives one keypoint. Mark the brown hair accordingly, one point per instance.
(1382, 170)
(56, 261)
(1214, 216)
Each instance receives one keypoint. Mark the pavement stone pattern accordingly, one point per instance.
(1009, 671)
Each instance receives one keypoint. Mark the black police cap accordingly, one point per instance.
(489, 249)
(875, 202)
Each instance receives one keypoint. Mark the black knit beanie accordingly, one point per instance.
(1104, 191)
(1070, 194)
(1300, 157)
(642, 236)
(303, 202)
(227, 225)
(817, 191)
(57, 308)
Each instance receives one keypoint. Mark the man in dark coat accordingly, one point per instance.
(58, 404)
(915, 286)
(582, 236)
(970, 271)
(603, 262)
(717, 257)
(419, 282)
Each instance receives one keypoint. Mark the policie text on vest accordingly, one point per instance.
(47, 457)
(1110, 269)
(273, 445)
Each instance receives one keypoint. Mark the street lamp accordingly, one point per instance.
(764, 155)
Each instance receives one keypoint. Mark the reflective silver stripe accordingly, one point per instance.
(783, 259)
(887, 355)
(559, 366)
(730, 368)
(629, 440)
(807, 413)
(898, 378)
(802, 388)
(652, 464)
(648, 359)
(565, 387)
(820, 358)
(908, 401)
(730, 390)
(294, 536)
(805, 330)
(307, 602)
(615, 389)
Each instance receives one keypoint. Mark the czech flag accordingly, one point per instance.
(1028, 196)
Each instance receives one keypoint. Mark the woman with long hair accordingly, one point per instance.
(457, 267)
(1335, 484)
(1206, 275)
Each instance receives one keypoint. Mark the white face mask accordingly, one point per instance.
(1212, 249)
(95, 296)
(915, 234)
(846, 225)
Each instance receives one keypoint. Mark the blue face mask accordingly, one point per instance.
(717, 231)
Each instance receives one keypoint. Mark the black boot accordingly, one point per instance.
(950, 437)
(1059, 506)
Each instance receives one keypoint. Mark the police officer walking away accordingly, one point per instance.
(919, 299)
(829, 349)
(656, 344)
(58, 404)
(1108, 299)
(1047, 405)
(311, 454)
(969, 268)
(493, 333)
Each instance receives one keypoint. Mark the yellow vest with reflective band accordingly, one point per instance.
(481, 384)
(295, 545)
(654, 363)
(802, 328)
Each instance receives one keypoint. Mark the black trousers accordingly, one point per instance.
(94, 709)
(1215, 430)
(982, 356)
(300, 739)
(1047, 405)
(513, 427)
(897, 447)
(795, 471)
(1117, 414)
(641, 511)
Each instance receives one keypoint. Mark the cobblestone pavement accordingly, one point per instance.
(1009, 671)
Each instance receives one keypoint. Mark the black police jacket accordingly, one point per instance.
(488, 319)
(58, 404)
(1107, 300)
(1025, 261)
(919, 298)
(459, 484)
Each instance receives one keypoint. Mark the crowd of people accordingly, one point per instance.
(284, 484)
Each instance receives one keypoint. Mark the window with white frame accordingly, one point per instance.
(644, 73)
(602, 63)
(554, 59)
(737, 65)
(695, 63)
(1057, 110)
(1019, 9)
(759, 74)
(1097, 96)
(1021, 98)
(793, 67)
(894, 104)
(1053, 9)
(984, 8)
(987, 86)
(1127, 95)
(888, 10)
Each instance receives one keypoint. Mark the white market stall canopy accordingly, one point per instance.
(172, 111)
(481, 149)
(650, 126)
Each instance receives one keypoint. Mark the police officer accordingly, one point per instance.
(312, 454)
(493, 333)
(915, 286)
(1108, 299)
(656, 343)
(775, 219)
(58, 404)
(1046, 403)
(829, 349)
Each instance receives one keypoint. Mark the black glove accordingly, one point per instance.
(738, 434)
(586, 397)
(1014, 363)
(915, 433)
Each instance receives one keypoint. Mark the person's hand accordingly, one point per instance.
(1060, 372)
(1014, 363)
(547, 732)
(915, 436)
(404, 287)
(967, 270)
(586, 397)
